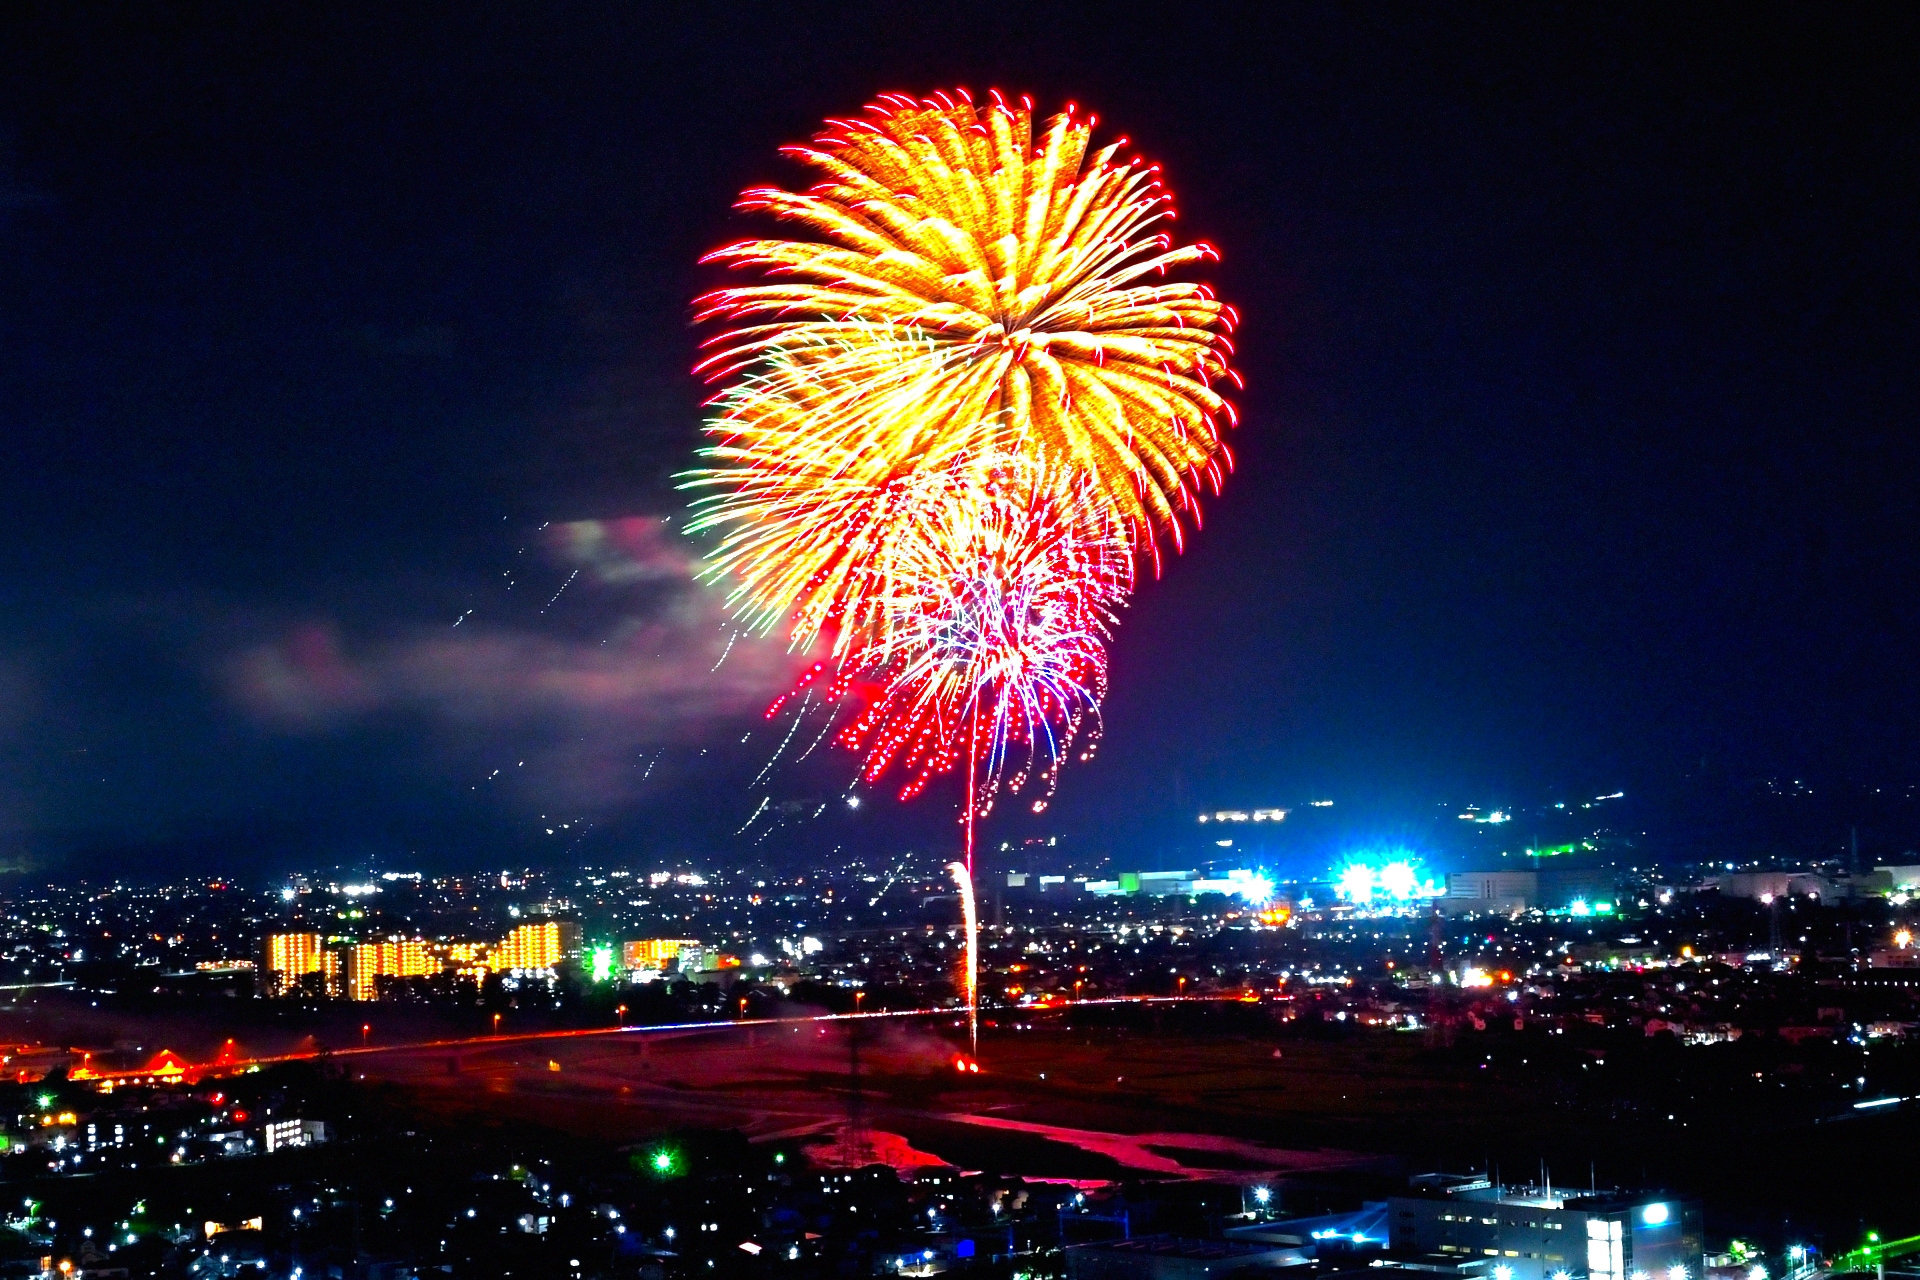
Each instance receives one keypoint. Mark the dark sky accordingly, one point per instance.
(1578, 448)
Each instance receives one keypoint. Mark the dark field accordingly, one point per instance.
(1221, 1092)
(1226, 1091)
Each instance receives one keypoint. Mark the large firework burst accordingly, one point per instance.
(972, 291)
(952, 417)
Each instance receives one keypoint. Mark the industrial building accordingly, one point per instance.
(1484, 1229)
(1545, 889)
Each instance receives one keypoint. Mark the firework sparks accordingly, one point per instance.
(950, 421)
(973, 291)
(994, 601)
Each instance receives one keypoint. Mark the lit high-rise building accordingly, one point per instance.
(394, 958)
(536, 946)
(653, 953)
(289, 958)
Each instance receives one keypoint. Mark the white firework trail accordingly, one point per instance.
(798, 716)
(764, 800)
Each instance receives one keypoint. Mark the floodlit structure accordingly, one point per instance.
(1250, 885)
(653, 953)
(1535, 1233)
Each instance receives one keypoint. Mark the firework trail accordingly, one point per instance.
(963, 877)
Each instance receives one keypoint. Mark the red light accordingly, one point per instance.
(960, 1064)
(974, 1067)
(239, 1117)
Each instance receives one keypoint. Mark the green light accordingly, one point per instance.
(1603, 908)
(45, 1100)
(663, 1161)
(779, 1157)
(601, 963)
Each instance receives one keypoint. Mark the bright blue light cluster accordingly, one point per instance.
(1391, 875)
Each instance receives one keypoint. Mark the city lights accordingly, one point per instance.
(1255, 888)
(1397, 880)
(1356, 883)
(601, 964)
(1393, 877)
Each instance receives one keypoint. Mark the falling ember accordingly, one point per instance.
(963, 878)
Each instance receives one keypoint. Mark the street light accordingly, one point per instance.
(365, 1029)
(496, 1024)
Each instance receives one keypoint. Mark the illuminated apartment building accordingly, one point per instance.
(653, 953)
(536, 946)
(290, 957)
(395, 958)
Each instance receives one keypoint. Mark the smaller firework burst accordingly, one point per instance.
(987, 636)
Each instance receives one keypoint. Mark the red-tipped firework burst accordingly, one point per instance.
(951, 418)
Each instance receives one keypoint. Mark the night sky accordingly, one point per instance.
(1577, 452)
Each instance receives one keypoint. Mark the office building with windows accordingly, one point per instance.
(1545, 1233)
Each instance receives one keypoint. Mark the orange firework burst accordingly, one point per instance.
(952, 417)
(972, 292)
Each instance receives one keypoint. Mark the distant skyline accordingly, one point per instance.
(344, 365)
